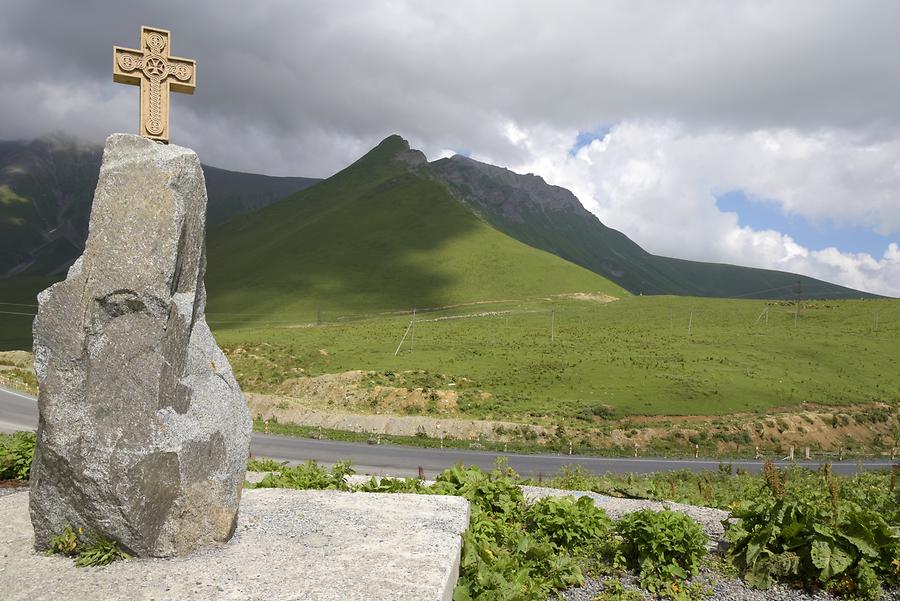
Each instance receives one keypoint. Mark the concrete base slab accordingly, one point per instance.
(289, 544)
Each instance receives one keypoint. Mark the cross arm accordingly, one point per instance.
(127, 64)
(182, 75)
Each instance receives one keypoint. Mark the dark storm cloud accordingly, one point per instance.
(795, 103)
(303, 87)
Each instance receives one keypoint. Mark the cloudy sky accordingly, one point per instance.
(756, 133)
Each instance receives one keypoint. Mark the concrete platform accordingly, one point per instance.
(289, 544)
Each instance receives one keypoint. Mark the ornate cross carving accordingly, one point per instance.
(157, 73)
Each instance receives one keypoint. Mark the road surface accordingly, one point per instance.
(19, 412)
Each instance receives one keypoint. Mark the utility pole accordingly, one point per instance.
(690, 322)
(412, 336)
(876, 320)
(798, 291)
(318, 315)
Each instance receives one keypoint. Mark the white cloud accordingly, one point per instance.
(658, 183)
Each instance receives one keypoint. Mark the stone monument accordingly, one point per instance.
(144, 433)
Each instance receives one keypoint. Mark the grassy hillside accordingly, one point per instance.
(645, 355)
(551, 218)
(378, 236)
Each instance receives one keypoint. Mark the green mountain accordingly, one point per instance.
(390, 232)
(551, 218)
(46, 189)
(381, 235)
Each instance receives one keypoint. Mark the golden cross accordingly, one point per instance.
(156, 72)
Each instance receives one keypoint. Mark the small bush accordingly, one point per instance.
(664, 546)
(16, 454)
(568, 523)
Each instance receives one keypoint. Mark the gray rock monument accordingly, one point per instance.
(144, 433)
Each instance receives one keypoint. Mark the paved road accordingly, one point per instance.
(19, 412)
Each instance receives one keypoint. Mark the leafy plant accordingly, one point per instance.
(99, 553)
(309, 476)
(614, 590)
(264, 465)
(664, 546)
(816, 536)
(64, 543)
(16, 454)
(395, 485)
(568, 523)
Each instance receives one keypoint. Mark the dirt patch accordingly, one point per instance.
(290, 410)
(595, 297)
(366, 392)
(16, 359)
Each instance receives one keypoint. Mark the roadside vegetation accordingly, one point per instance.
(794, 527)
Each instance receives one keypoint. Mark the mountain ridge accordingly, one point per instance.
(46, 201)
(47, 185)
(553, 219)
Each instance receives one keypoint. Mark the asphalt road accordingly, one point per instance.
(19, 412)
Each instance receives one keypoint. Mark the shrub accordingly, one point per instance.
(16, 454)
(664, 546)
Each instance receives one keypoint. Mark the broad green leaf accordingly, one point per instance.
(829, 558)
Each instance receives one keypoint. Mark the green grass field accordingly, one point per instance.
(634, 355)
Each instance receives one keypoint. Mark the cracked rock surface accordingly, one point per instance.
(144, 433)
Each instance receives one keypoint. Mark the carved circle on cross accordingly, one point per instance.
(154, 126)
(182, 72)
(128, 62)
(155, 67)
(156, 42)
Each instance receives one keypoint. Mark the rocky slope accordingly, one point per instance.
(552, 218)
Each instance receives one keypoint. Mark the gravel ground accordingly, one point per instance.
(721, 588)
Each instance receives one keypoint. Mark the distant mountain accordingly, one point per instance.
(383, 234)
(551, 218)
(46, 189)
